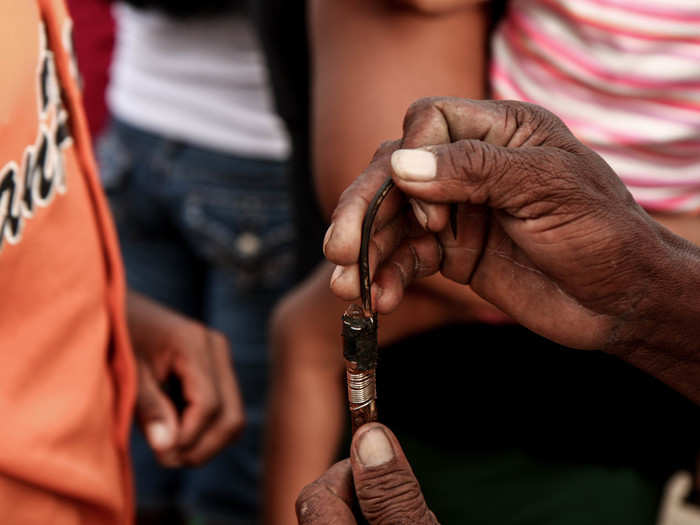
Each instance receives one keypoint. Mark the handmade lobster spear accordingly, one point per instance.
(360, 347)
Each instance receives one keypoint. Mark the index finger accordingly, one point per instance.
(342, 242)
(230, 420)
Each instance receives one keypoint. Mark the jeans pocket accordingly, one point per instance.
(248, 231)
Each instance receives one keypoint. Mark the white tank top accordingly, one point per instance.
(201, 80)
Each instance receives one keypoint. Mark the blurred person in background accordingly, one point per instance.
(73, 337)
(94, 42)
(532, 447)
(193, 164)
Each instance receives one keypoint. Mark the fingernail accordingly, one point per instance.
(416, 165)
(374, 448)
(329, 234)
(339, 270)
(421, 216)
(159, 435)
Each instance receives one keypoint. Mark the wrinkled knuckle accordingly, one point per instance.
(392, 498)
(543, 116)
(421, 104)
(385, 148)
(309, 504)
(458, 160)
(386, 144)
(473, 165)
(419, 108)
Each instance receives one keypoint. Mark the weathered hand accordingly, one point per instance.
(166, 343)
(377, 478)
(546, 231)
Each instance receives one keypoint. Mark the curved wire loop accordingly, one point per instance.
(363, 261)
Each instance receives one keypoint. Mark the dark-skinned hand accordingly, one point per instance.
(169, 345)
(376, 483)
(546, 232)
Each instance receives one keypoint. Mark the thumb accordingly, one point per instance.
(157, 415)
(479, 173)
(386, 488)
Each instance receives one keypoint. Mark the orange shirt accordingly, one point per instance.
(66, 373)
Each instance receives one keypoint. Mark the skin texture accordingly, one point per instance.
(166, 343)
(406, 55)
(548, 233)
(376, 482)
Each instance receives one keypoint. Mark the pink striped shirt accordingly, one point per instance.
(624, 75)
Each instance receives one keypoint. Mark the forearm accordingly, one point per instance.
(683, 224)
(305, 414)
(662, 334)
(306, 418)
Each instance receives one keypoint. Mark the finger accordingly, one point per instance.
(479, 173)
(386, 488)
(432, 217)
(328, 499)
(414, 259)
(386, 148)
(345, 280)
(230, 421)
(341, 244)
(201, 391)
(462, 252)
(157, 417)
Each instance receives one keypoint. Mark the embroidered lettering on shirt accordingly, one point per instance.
(42, 174)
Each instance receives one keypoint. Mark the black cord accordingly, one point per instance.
(363, 262)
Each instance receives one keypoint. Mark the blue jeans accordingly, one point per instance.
(210, 235)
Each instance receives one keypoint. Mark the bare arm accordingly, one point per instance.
(685, 225)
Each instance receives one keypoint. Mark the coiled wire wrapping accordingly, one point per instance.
(361, 388)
